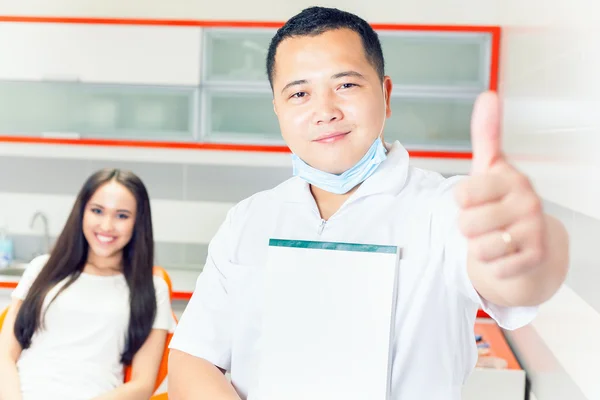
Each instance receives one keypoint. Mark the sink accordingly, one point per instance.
(12, 271)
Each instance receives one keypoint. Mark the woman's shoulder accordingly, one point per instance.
(160, 285)
(40, 260)
(35, 266)
(29, 276)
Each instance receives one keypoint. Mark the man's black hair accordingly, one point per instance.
(314, 21)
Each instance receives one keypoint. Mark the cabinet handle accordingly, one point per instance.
(61, 135)
(61, 78)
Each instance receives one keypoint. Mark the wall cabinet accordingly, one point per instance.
(125, 54)
(97, 111)
(450, 61)
(186, 83)
(436, 76)
(236, 55)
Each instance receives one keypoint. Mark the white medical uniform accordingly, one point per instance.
(434, 348)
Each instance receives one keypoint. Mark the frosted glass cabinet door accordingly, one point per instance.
(96, 111)
(236, 55)
(437, 60)
(430, 122)
(241, 117)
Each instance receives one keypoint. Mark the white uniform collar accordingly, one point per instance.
(389, 177)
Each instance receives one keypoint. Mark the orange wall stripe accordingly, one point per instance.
(182, 296)
(175, 296)
(495, 61)
(145, 143)
(203, 146)
(140, 21)
(231, 24)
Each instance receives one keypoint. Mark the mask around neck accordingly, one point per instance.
(342, 183)
(346, 181)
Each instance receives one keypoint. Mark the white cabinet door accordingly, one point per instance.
(236, 55)
(440, 61)
(160, 55)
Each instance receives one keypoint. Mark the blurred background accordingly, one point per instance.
(177, 92)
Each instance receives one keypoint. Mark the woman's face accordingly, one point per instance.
(109, 219)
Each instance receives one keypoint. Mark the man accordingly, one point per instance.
(480, 241)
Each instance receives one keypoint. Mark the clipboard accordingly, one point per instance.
(328, 312)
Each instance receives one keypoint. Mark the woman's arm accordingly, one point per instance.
(144, 370)
(10, 351)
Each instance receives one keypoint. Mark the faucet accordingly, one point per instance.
(46, 230)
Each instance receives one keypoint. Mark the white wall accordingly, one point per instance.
(549, 63)
(548, 78)
(550, 84)
(397, 11)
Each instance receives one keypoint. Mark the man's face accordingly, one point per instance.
(328, 98)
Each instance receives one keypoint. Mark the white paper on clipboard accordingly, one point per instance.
(327, 321)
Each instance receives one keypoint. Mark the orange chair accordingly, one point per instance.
(3, 316)
(162, 372)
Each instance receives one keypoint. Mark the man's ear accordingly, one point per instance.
(387, 87)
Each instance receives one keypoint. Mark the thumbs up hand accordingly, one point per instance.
(500, 213)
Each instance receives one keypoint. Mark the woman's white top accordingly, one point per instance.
(76, 354)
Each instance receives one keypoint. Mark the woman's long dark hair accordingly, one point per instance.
(70, 254)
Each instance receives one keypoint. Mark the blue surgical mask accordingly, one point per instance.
(346, 181)
(342, 183)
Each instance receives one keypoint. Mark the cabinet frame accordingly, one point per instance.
(494, 57)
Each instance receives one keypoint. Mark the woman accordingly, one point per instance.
(92, 306)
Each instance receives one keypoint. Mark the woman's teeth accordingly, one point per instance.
(105, 239)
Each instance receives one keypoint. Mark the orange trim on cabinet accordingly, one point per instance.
(465, 155)
(139, 21)
(495, 31)
(229, 24)
(145, 143)
(495, 61)
(441, 28)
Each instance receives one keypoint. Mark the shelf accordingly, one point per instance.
(206, 84)
(236, 55)
(98, 111)
(441, 60)
(238, 117)
(439, 122)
